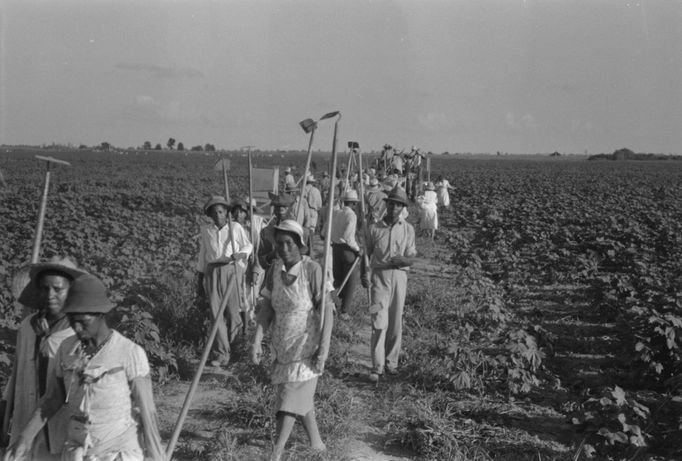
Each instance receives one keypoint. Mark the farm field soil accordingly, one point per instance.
(543, 322)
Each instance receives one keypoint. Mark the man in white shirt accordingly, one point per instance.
(220, 267)
(289, 181)
(345, 248)
(312, 204)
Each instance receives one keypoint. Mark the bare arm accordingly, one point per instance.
(263, 321)
(144, 400)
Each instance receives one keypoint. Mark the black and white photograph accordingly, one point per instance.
(341, 230)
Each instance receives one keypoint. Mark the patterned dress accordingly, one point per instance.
(295, 333)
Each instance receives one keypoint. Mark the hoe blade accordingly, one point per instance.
(308, 125)
(329, 115)
(53, 160)
(219, 164)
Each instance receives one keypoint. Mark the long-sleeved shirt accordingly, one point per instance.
(376, 206)
(386, 241)
(289, 181)
(344, 227)
(215, 245)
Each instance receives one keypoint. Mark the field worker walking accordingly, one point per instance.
(397, 164)
(428, 211)
(443, 189)
(254, 272)
(293, 301)
(391, 248)
(345, 249)
(267, 252)
(220, 269)
(38, 339)
(101, 381)
(239, 210)
(324, 187)
(289, 181)
(296, 212)
(313, 204)
(374, 201)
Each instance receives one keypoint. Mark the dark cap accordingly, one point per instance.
(88, 295)
(397, 195)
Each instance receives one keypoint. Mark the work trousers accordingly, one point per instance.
(343, 259)
(389, 288)
(220, 281)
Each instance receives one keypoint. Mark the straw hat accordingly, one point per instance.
(88, 295)
(56, 264)
(373, 182)
(397, 195)
(293, 227)
(287, 169)
(60, 265)
(280, 200)
(350, 196)
(215, 200)
(239, 203)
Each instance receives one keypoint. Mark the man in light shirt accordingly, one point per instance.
(289, 181)
(220, 267)
(391, 249)
(374, 201)
(312, 204)
(345, 248)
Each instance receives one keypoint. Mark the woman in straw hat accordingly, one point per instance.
(101, 380)
(38, 338)
(294, 299)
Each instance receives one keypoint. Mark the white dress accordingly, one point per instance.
(428, 211)
(443, 193)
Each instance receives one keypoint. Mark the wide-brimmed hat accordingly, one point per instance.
(311, 179)
(397, 195)
(239, 203)
(350, 196)
(430, 186)
(281, 199)
(88, 295)
(373, 182)
(58, 265)
(287, 169)
(215, 200)
(293, 227)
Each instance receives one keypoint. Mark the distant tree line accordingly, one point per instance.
(627, 154)
(171, 144)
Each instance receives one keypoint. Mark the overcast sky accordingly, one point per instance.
(457, 75)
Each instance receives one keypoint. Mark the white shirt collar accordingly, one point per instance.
(295, 269)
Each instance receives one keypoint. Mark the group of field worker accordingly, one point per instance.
(79, 390)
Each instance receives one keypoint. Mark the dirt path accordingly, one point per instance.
(581, 353)
(208, 419)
